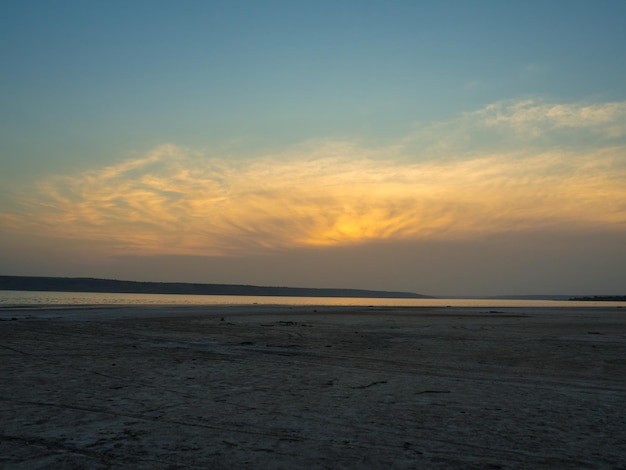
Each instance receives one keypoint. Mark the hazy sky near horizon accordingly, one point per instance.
(441, 147)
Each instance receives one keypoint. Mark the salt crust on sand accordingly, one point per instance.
(338, 387)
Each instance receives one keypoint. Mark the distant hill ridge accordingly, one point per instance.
(601, 298)
(81, 284)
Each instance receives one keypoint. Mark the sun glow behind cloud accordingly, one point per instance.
(177, 201)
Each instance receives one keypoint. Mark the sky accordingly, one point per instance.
(443, 147)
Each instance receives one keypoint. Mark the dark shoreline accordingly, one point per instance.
(600, 298)
(114, 286)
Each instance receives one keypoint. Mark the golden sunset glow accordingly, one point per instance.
(176, 202)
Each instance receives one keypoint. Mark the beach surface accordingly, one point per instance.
(312, 387)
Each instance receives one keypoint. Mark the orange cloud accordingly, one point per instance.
(189, 205)
(176, 201)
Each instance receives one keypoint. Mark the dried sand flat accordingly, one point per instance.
(279, 387)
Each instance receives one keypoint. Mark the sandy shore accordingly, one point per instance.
(279, 387)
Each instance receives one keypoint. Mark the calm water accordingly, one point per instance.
(85, 298)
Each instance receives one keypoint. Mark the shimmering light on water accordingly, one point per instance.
(8, 298)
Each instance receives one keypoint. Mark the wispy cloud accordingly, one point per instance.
(177, 201)
(536, 117)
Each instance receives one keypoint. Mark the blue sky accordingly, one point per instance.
(161, 100)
